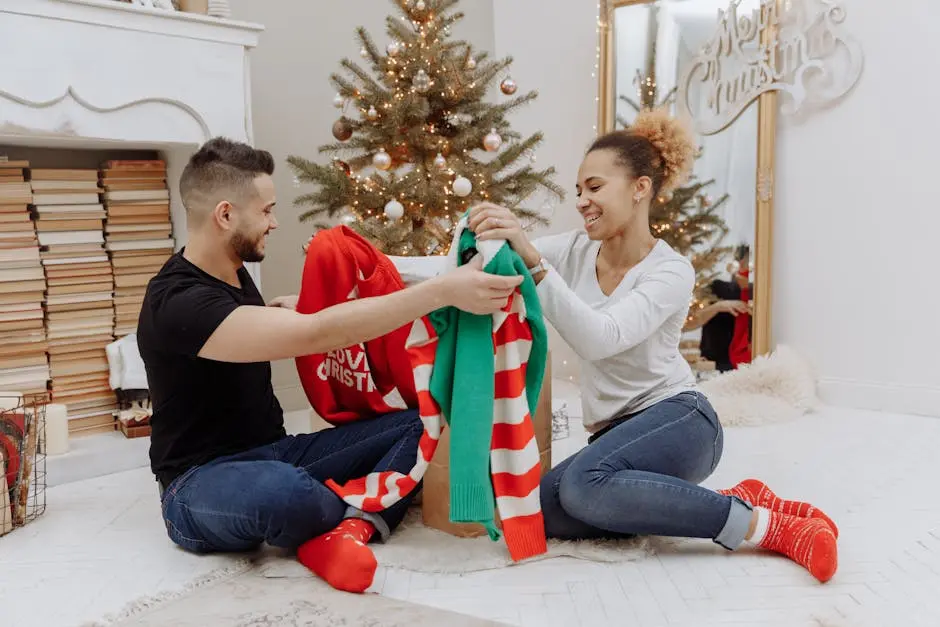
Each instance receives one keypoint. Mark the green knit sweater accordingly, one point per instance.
(462, 383)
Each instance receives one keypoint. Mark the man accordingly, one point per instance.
(230, 478)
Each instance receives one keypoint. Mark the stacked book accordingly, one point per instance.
(69, 222)
(138, 233)
(24, 368)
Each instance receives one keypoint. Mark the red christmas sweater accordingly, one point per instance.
(364, 380)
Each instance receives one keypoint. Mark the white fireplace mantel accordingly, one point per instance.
(99, 73)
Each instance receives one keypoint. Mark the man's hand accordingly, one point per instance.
(287, 302)
(471, 289)
(489, 221)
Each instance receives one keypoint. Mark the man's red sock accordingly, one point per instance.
(757, 493)
(341, 556)
(807, 541)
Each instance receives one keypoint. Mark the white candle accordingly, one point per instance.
(57, 430)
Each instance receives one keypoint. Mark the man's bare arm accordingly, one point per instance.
(254, 333)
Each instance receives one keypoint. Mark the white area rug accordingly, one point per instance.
(250, 600)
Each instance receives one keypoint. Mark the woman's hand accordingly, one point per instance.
(489, 221)
(733, 307)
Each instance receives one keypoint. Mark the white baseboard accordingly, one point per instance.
(915, 400)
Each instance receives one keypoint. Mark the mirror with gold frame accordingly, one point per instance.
(650, 51)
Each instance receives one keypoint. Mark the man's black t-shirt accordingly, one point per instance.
(202, 409)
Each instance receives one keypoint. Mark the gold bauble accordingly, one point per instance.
(382, 160)
(508, 86)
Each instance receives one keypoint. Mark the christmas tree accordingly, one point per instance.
(686, 218)
(417, 144)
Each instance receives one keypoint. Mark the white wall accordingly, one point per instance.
(857, 222)
(303, 42)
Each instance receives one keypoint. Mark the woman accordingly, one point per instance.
(620, 297)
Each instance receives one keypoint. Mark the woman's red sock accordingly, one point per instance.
(341, 556)
(757, 493)
(807, 541)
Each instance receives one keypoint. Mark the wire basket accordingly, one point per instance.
(22, 459)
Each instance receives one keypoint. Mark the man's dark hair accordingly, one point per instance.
(221, 169)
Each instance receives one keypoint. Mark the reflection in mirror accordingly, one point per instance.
(711, 219)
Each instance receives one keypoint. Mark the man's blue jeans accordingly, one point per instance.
(639, 476)
(275, 493)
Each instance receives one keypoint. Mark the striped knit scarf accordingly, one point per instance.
(497, 422)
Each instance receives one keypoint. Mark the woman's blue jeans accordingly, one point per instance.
(639, 476)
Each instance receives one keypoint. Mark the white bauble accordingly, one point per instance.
(462, 186)
(339, 101)
(440, 162)
(393, 49)
(348, 218)
(394, 210)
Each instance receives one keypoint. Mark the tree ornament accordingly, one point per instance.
(422, 82)
(471, 63)
(372, 115)
(382, 160)
(296, 183)
(706, 201)
(342, 165)
(339, 101)
(393, 49)
(440, 162)
(492, 141)
(508, 86)
(462, 186)
(420, 5)
(394, 210)
(342, 129)
(364, 52)
(348, 218)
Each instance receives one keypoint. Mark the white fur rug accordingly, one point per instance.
(418, 548)
(773, 388)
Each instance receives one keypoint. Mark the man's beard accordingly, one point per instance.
(247, 249)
